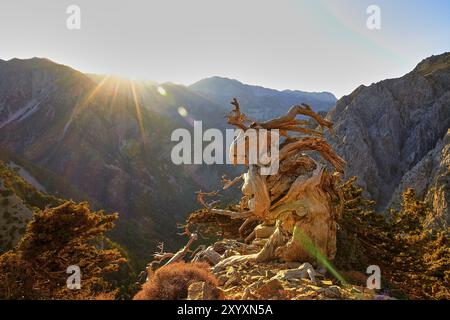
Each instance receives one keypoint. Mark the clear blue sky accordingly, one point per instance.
(313, 45)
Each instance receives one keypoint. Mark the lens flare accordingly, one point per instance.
(182, 111)
(161, 91)
(307, 243)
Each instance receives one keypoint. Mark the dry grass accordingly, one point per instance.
(172, 282)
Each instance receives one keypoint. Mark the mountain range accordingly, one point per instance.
(106, 139)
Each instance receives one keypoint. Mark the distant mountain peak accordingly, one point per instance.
(259, 102)
(31, 60)
(230, 81)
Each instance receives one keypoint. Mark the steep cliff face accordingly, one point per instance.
(430, 178)
(385, 130)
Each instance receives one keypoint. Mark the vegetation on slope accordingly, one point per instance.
(54, 234)
(414, 260)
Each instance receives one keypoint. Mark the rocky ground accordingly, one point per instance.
(275, 281)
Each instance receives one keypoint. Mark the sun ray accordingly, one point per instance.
(79, 106)
(138, 111)
(94, 92)
(115, 92)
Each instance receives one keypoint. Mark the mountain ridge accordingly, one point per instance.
(232, 80)
(259, 102)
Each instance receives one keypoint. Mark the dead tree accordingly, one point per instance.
(302, 199)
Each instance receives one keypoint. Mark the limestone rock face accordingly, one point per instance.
(386, 129)
(430, 178)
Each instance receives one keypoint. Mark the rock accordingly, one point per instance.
(270, 288)
(300, 273)
(233, 280)
(229, 244)
(387, 128)
(222, 279)
(333, 292)
(220, 247)
(208, 255)
(204, 291)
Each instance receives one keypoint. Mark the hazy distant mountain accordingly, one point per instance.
(259, 102)
(393, 134)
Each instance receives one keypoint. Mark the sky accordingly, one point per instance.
(310, 45)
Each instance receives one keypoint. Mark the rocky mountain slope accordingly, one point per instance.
(99, 140)
(18, 199)
(393, 134)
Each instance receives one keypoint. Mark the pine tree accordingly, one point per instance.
(414, 260)
(55, 239)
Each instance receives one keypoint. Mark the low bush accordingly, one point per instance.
(172, 282)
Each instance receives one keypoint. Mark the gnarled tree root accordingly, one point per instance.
(269, 252)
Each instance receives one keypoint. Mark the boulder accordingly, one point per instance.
(332, 292)
(270, 288)
(204, 291)
(304, 271)
(208, 255)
